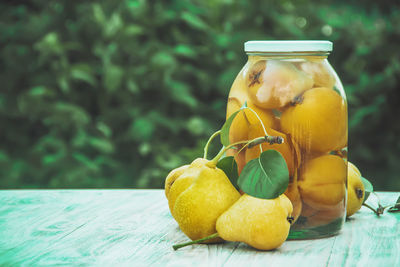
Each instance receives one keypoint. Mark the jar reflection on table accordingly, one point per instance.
(298, 96)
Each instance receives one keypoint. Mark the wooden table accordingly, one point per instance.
(135, 228)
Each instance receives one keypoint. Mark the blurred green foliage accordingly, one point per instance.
(117, 93)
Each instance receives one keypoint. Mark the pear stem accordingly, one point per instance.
(209, 141)
(257, 141)
(250, 143)
(259, 119)
(378, 211)
(215, 160)
(178, 246)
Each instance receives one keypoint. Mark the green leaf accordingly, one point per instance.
(84, 160)
(185, 50)
(226, 127)
(395, 207)
(101, 145)
(104, 128)
(40, 91)
(51, 158)
(181, 93)
(99, 14)
(164, 59)
(84, 73)
(229, 166)
(368, 188)
(112, 77)
(194, 21)
(265, 177)
(142, 129)
(113, 25)
(197, 126)
(49, 44)
(132, 86)
(133, 30)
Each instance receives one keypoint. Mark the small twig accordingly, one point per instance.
(378, 211)
(209, 141)
(176, 247)
(269, 139)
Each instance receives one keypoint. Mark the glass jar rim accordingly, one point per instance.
(288, 46)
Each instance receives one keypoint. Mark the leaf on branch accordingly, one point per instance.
(229, 166)
(227, 125)
(265, 177)
(395, 207)
(368, 188)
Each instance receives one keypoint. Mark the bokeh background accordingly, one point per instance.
(115, 94)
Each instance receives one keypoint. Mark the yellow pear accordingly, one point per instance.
(172, 176)
(261, 223)
(322, 181)
(321, 72)
(239, 88)
(199, 196)
(317, 121)
(273, 84)
(355, 190)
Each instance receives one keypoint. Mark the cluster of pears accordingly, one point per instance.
(209, 209)
(299, 101)
(294, 102)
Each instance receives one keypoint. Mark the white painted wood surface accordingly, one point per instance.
(135, 228)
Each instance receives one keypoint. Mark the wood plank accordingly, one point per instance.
(41, 219)
(369, 240)
(134, 227)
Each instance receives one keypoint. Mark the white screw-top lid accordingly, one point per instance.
(288, 46)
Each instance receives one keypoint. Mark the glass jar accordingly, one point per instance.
(298, 96)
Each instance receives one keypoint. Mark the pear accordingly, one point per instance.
(322, 182)
(273, 84)
(172, 176)
(317, 120)
(179, 179)
(199, 196)
(261, 223)
(355, 189)
(320, 72)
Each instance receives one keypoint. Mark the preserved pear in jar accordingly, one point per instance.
(296, 95)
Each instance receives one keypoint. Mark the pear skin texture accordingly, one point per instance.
(322, 181)
(178, 187)
(355, 190)
(172, 176)
(260, 223)
(182, 178)
(198, 206)
(318, 123)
